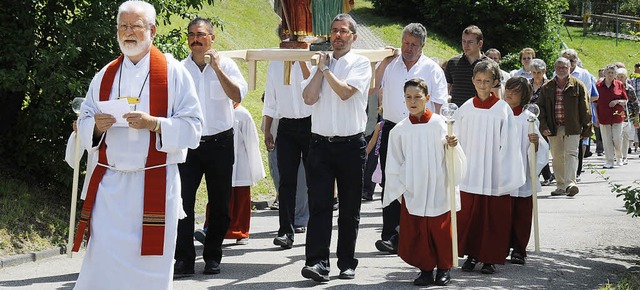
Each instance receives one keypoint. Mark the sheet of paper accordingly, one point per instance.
(116, 108)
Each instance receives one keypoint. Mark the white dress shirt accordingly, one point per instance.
(217, 108)
(331, 116)
(284, 101)
(396, 74)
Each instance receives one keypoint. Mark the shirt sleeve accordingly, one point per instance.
(231, 69)
(360, 75)
(438, 88)
(270, 102)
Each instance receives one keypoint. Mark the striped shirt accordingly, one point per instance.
(459, 73)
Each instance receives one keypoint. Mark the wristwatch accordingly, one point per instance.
(324, 68)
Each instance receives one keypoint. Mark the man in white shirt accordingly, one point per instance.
(284, 102)
(412, 63)
(337, 91)
(133, 199)
(219, 84)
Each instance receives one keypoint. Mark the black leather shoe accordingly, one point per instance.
(469, 264)
(425, 278)
(182, 268)
(283, 241)
(488, 269)
(517, 258)
(211, 267)
(384, 246)
(316, 272)
(347, 274)
(443, 277)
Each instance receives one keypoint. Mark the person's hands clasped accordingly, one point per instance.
(140, 120)
(614, 103)
(323, 60)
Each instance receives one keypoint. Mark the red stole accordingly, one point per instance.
(517, 110)
(155, 180)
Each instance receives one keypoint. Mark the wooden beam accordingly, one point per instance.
(291, 55)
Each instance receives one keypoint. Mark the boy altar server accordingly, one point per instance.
(488, 135)
(417, 147)
(518, 94)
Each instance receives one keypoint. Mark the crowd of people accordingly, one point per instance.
(186, 122)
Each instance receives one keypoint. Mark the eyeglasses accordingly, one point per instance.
(134, 27)
(197, 35)
(527, 58)
(341, 31)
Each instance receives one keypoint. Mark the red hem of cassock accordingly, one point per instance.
(484, 227)
(425, 242)
(240, 213)
(522, 216)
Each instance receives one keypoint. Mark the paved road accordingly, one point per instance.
(586, 242)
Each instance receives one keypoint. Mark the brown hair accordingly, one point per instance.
(419, 83)
(489, 66)
(522, 86)
(475, 30)
(528, 50)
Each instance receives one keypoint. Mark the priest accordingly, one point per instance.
(133, 201)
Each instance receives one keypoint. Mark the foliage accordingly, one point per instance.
(508, 26)
(630, 193)
(51, 51)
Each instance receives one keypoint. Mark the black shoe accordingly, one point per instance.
(367, 196)
(211, 267)
(183, 268)
(488, 269)
(443, 277)
(299, 230)
(469, 264)
(283, 241)
(587, 154)
(316, 273)
(425, 278)
(347, 274)
(200, 236)
(517, 258)
(386, 246)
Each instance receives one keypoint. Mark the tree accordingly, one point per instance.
(50, 52)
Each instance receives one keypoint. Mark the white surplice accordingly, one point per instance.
(541, 158)
(417, 168)
(247, 168)
(490, 140)
(113, 257)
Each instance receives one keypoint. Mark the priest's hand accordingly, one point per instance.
(140, 120)
(452, 141)
(103, 123)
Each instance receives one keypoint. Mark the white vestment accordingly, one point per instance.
(113, 257)
(417, 168)
(247, 168)
(542, 155)
(490, 140)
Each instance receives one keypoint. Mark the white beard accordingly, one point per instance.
(138, 48)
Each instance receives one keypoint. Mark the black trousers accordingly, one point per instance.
(341, 161)
(368, 186)
(293, 146)
(391, 213)
(214, 159)
(599, 146)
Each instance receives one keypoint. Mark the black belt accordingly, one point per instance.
(217, 137)
(336, 139)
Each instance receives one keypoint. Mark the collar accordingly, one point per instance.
(486, 104)
(517, 110)
(426, 116)
(144, 62)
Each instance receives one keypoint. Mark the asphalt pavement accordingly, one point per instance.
(586, 241)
